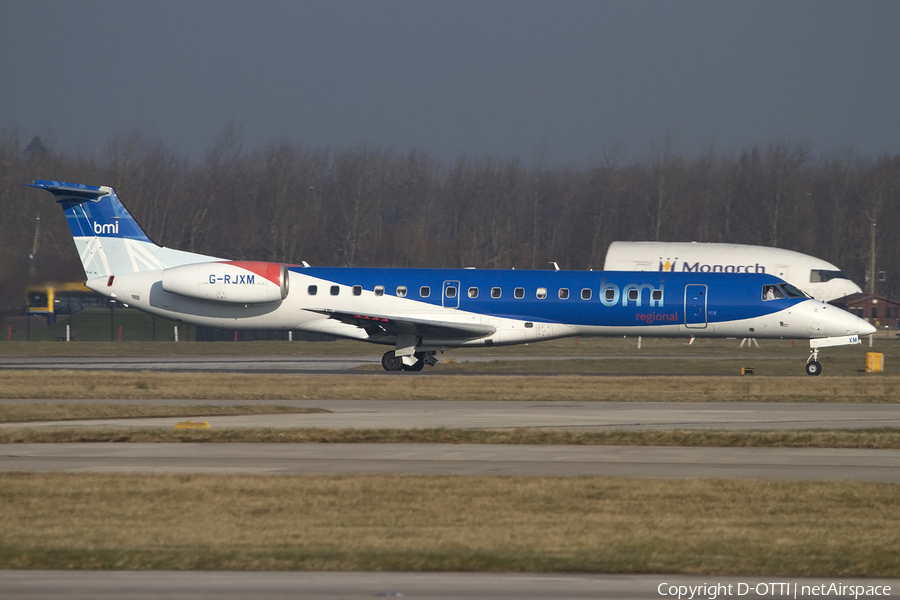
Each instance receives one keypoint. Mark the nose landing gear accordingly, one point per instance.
(813, 367)
(812, 363)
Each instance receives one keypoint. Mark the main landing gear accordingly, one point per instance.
(392, 362)
(813, 367)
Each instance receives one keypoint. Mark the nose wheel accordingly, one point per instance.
(813, 367)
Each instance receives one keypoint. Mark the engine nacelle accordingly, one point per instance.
(235, 282)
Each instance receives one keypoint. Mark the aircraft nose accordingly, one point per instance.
(841, 322)
(865, 328)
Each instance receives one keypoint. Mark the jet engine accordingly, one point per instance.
(236, 282)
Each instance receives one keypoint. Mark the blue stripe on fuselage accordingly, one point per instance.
(730, 296)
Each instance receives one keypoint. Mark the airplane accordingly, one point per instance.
(821, 279)
(424, 311)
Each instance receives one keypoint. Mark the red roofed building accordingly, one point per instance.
(879, 311)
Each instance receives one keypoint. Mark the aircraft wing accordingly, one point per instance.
(423, 327)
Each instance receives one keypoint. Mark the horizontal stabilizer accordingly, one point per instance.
(75, 191)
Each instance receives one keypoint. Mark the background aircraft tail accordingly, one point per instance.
(108, 239)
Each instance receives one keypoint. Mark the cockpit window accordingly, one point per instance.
(791, 291)
(821, 275)
(771, 292)
(785, 290)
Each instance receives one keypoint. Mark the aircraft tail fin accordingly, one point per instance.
(108, 239)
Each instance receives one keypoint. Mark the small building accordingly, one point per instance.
(879, 311)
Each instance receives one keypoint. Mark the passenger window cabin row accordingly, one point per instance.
(473, 292)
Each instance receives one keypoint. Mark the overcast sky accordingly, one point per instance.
(563, 80)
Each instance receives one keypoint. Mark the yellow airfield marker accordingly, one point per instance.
(191, 425)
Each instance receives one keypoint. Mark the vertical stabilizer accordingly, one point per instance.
(108, 239)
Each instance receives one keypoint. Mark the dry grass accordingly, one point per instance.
(882, 439)
(99, 521)
(67, 384)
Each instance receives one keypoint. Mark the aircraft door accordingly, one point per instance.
(695, 306)
(450, 297)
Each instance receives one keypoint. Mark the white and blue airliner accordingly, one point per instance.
(419, 312)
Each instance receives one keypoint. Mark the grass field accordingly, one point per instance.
(446, 523)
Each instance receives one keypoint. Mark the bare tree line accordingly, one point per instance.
(373, 207)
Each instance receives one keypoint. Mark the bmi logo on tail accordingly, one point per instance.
(110, 228)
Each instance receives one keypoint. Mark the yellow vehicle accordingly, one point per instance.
(54, 298)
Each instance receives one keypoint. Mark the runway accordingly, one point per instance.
(811, 464)
(191, 585)
(218, 364)
(299, 364)
(598, 416)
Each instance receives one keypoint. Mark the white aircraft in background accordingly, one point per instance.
(820, 279)
(423, 311)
